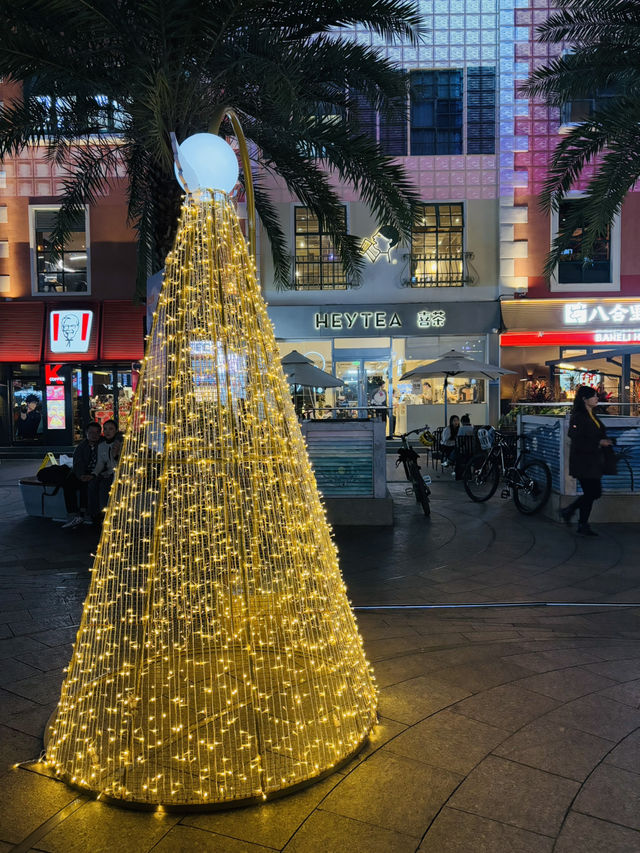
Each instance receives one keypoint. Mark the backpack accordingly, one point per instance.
(53, 475)
(486, 437)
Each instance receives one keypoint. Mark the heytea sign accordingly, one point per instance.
(356, 319)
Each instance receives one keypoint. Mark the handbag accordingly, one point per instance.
(49, 459)
(609, 462)
(53, 475)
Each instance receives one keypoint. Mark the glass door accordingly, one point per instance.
(26, 405)
(125, 397)
(101, 397)
(376, 384)
(366, 391)
(348, 397)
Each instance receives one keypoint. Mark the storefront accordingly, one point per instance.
(370, 347)
(555, 345)
(64, 366)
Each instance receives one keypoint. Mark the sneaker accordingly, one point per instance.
(585, 530)
(87, 520)
(76, 521)
(446, 463)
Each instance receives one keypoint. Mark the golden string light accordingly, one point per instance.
(217, 659)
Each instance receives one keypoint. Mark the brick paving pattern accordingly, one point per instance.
(502, 729)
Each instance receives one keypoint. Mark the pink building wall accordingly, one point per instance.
(541, 127)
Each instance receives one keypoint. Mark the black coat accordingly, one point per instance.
(585, 456)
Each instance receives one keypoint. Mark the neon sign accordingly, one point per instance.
(431, 319)
(52, 374)
(350, 319)
(581, 313)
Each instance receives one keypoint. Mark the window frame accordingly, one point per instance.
(33, 253)
(613, 285)
(108, 108)
(435, 72)
(342, 285)
(462, 230)
(476, 99)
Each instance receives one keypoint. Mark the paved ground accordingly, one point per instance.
(502, 729)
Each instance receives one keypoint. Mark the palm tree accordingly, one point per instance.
(604, 36)
(141, 69)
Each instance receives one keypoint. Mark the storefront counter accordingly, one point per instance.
(349, 461)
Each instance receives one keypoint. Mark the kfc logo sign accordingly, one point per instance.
(70, 331)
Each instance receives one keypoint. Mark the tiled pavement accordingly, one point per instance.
(502, 729)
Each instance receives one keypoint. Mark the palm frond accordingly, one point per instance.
(277, 240)
(173, 66)
(594, 21)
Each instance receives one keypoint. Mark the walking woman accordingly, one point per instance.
(586, 463)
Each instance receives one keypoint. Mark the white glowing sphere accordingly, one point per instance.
(207, 162)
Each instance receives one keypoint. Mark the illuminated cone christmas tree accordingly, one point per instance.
(217, 659)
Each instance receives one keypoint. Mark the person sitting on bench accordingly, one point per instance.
(77, 483)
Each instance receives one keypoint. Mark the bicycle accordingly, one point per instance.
(408, 457)
(529, 483)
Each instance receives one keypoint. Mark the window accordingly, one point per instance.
(317, 266)
(393, 130)
(80, 115)
(432, 121)
(574, 266)
(481, 110)
(601, 269)
(108, 115)
(436, 112)
(579, 110)
(325, 114)
(67, 270)
(437, 258)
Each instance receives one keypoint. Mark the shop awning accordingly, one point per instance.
(122, 331)
(600, 337)
(571, 315)
(21, 326)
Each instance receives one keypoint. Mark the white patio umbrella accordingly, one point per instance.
(310, 376)
(300, 370)
(454, 363)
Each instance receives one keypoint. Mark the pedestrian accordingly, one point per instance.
(586, 457)
(107, 461)
(85, 459)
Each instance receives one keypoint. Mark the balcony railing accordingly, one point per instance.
(437, 271)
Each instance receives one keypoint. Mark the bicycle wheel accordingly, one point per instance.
(420, 489)
(481, 477)
(531, 486)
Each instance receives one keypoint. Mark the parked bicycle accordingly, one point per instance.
(408, 458)
(528, 482)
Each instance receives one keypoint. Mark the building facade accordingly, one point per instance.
(583, 325)
(70, 335)
(441, 290)
(469, 279)
(478, 152)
